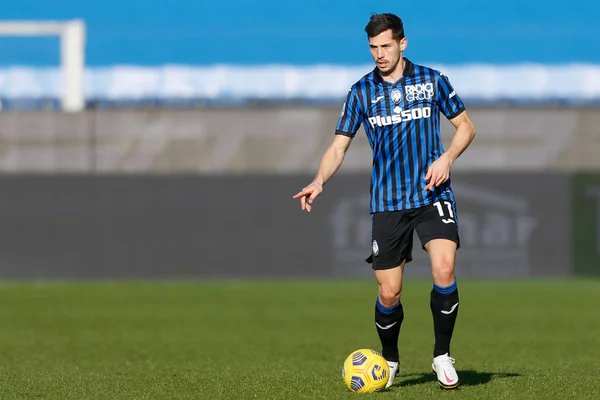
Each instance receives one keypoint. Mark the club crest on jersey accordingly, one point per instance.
(420, 91)
(396, 95)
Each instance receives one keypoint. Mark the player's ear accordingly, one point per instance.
(403, 44)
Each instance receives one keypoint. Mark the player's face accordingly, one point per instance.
(386, 51)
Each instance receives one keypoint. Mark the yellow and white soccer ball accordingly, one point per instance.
(365, 371)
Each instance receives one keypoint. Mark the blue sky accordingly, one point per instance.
(201, 32)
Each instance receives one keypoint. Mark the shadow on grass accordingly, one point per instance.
(467, 378)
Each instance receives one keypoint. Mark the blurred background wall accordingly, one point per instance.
(200, 120)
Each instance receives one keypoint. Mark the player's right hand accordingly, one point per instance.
(308, 195)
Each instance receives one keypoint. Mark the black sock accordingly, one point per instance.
(388, 321)
(444, 308)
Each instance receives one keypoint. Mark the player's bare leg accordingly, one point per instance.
(444, 308)
(389, 315)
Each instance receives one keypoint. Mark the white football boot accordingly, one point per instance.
(443, 367)
(394, 371)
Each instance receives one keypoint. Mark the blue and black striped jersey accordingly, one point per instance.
(402, 123)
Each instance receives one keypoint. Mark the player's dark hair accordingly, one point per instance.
(379, 23)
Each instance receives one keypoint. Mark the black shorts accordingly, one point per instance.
(392, 232)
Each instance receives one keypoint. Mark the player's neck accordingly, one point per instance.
(396, 73)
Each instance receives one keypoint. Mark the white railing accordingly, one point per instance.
(527, 83)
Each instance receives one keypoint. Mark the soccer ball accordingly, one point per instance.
(365, 371)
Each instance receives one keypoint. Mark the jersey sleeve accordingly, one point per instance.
(448, 100)
(350, 119)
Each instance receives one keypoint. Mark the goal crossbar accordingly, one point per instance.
(72, 54)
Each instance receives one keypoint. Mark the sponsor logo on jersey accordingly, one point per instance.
(401, 116)
(420, 91)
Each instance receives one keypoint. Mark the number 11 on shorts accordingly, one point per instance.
(440, 209)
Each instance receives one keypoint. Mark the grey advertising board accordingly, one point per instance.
(510, 225)
(155, 227)
(112, 227)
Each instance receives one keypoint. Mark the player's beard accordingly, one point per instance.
(389, 67)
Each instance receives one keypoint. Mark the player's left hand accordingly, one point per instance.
(438, 172)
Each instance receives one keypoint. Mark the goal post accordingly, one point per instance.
(72, 54)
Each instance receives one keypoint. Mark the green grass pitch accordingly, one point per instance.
(518, 339)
